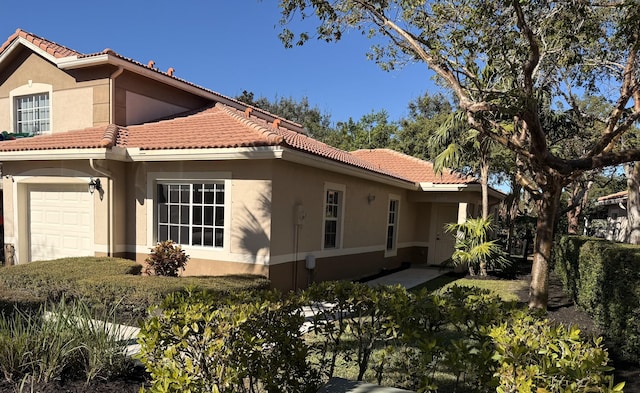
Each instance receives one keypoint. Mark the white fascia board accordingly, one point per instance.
(346, 169)
(428, 186)
(59, 154)
(234, 153)
(31, 46)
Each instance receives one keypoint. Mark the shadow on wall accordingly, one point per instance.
(250, 234)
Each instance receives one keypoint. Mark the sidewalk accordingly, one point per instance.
(411, 277)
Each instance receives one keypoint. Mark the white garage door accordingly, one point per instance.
(60, 222)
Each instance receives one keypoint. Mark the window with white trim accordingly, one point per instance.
(392, 225)
(32, 113)
(191, 213)
(332, 218)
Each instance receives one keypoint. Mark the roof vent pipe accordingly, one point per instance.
(151, 63)
(170, 71)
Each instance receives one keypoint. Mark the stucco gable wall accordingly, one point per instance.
(75, 102)
(139, 100)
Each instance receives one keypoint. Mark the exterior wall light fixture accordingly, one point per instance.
(371, 198)
(94, 185)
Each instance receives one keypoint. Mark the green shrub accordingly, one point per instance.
(566, 261)
(533, 355)
(197, 342)
(166, 259)
(608, 290)
(603, 279)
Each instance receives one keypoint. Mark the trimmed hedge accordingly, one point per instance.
(603, 277)
(102, 281)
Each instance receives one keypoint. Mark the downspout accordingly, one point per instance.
(107, 174)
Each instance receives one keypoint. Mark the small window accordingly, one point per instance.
(32, 114)
(191, 214)
(392, 225)
(332, 218)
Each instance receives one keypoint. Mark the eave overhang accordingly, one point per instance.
(232, 153)
(298, 157)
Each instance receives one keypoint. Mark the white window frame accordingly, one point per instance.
(155, 178)
(186, 218)
(393, 251)
(30, 89)
(341, 190)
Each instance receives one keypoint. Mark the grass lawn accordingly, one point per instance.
(506, 289)
(103, 282)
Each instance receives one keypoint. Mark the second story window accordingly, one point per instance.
(32, 114)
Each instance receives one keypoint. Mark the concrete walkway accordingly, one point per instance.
(411, 277)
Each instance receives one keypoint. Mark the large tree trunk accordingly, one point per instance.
(547, 210)
(579, 198)
(633, 204)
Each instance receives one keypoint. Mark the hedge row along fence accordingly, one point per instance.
(604, 279)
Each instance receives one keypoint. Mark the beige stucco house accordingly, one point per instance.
(242, 190)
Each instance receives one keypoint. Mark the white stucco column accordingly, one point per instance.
(462, 212)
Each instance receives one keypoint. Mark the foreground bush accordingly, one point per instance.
(463, 339)
(61, 342)
(533, 355)
(197, 343)
(603, 278)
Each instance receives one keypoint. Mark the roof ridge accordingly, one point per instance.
(268, 134)
(109, 137)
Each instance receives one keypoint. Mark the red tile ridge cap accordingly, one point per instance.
(109, 137)
(267, 133)
(54, 49)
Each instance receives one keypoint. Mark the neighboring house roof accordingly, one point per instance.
(613, 199)
(415, 169)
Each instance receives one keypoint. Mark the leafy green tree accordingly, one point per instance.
(372, 131)
(509, 64)
(426, 115)
(318, 124)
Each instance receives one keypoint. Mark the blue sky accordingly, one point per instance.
(226, 46)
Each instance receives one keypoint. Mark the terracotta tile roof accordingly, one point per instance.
(219, 126)
(621, 194)
(411, 168)
(56, 50)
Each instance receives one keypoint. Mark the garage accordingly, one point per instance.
(60, 221)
